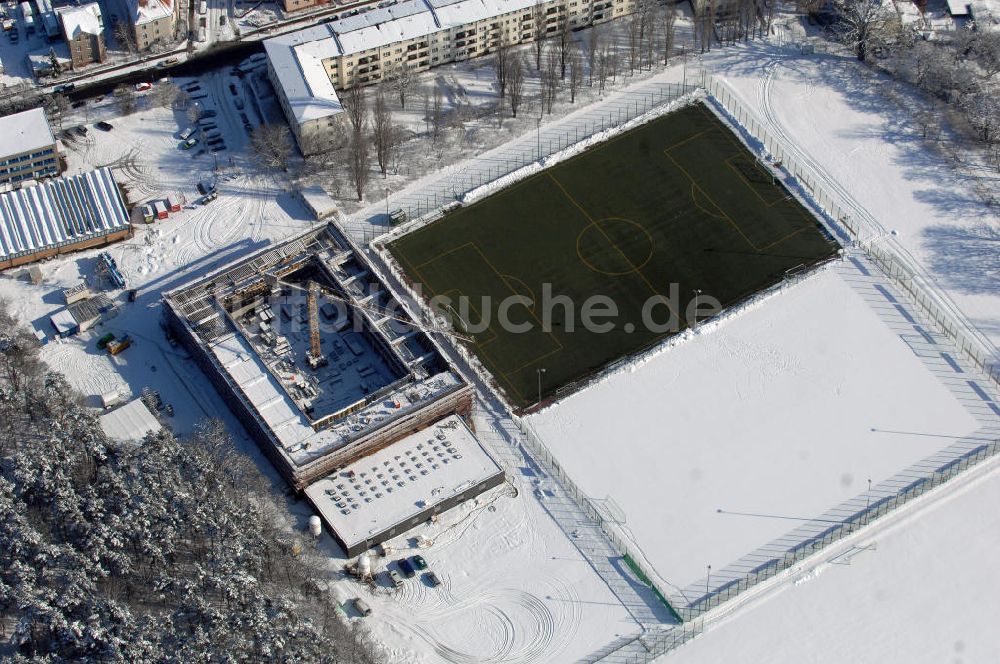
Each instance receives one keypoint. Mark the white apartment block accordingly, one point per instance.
(307, 67)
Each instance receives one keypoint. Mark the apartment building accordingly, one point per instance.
(298, 5)
(153, 22)
(27, 148)
(307, 67)
(83, 29)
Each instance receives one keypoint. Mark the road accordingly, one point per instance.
(218, 54)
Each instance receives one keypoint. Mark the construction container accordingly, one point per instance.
(174, 203)
(116, 346)
(147, 213)
(103, 341)
(161, 210)
(76, 293)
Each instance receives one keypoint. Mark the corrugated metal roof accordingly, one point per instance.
(60, 212)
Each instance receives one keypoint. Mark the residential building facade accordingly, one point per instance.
(83, 29)
(153, 22)
(28, 151)
(307, 67)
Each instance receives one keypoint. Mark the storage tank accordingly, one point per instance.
(364, 566)
(315, 526)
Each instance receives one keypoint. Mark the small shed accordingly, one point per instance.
(88, 313)
(76, 293)
(64, 323)
(130, 423)
(320, 203)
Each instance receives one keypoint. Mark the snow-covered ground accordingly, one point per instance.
(774, 416)
(760, 422)
(924, 591)
(838, 115)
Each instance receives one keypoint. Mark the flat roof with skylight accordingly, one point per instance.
(387, 493)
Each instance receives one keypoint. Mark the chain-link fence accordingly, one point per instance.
(652, 644)
(933, 304)
(435, 199)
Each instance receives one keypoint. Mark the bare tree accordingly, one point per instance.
(123, 35)
(383, 133)
(667, 23)
(272, 145)
(540, 24)
(125, 99)
(502, 57)
(515, 82)
(550, 79)
(632, 27)
(593, 46)
(165, 95)
(564, 41)
(359, 162)
(575, 73)
(356, 105)
(402, 78)
(602, 67)
(57, 106)
(865, 24)
(437, 112)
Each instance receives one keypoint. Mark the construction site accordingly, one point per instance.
(314, 354)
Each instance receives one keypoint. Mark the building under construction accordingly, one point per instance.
(314, 354)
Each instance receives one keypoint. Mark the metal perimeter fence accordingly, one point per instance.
(649, 645)
(434, 201)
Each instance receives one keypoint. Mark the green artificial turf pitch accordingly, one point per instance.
(676, 201)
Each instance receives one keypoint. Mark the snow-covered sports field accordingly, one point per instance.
(761, 422)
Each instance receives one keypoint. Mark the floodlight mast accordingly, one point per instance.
(371, 309)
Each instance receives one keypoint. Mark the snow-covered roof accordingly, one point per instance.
(63, 321)
(84, 19)
(401, 22)
(60, 212)
(297, 62)
(455, 13)
(320, 203)
(130, 423)
(294, 433)
(150, 10)
(297, 58)
(389, 487)
(958, 7)
(24, 131)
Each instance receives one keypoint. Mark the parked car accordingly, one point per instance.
(80, 129)
(432, 579)
(406, 568)
(232, 88)
(209, 197)
(239, 104)
(187, 133)
(189, 143)
(142, 87)
(205, 187)
(104, 126)
(419, 562)
(362, 607)
(394, 578)
(209, 113)
(63, 88)
(218, 148)
(192, 87)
